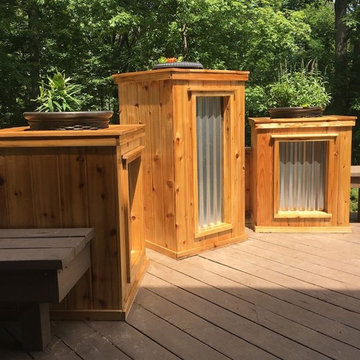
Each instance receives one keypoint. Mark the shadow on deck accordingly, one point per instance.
(274, 296)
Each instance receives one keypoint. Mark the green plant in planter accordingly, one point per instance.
(60, 104)
(59, 94)
(303, 88)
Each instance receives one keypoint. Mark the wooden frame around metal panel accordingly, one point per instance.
(132, 216)
(307, 214)
(227, 99)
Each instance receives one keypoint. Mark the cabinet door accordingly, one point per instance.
(301, 177)
(210, 160)
(132, 192)
(212, 164)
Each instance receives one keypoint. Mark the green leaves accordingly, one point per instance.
(302, 88)
(59, 94)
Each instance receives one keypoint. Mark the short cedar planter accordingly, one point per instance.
(300, 174)
(66, 179)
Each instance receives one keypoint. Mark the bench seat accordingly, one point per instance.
(38, 267)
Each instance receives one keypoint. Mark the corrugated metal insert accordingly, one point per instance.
(302, 175)
(209, 132)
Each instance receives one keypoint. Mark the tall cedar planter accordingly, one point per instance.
(172, 102)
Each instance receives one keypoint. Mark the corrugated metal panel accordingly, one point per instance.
(302, 175)
(209, 131)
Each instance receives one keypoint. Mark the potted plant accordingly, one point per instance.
(60, 102)
(165, 62)
(298, 94)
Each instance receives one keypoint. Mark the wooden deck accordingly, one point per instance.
(274, 296)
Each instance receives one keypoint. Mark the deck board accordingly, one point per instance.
(274, 296)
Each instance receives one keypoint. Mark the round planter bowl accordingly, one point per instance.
(179, 65)
(295, 112)
(63, 120)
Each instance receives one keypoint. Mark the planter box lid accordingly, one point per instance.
(183, 74)
(325, 121)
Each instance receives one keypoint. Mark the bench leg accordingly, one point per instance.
(35, 326)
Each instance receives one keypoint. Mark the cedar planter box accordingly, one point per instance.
(194, 155)
(300, 174)
(72, 179)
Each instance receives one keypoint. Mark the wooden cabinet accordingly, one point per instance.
(194, 155)
(68, 179)
(300, 173)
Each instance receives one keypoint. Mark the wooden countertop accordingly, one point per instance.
(265, 120)
(112, 136)
(111, 131)
(183, 74)
(266, 123)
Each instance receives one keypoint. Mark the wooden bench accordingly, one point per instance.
(355, 183)
(38, 267)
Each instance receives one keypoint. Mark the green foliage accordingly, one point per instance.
(162, 60)
(93, 39)
(257, 99)
(302, 88)
(59, 94)
(354, 194)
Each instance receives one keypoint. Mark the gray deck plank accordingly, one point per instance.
(327, 275)
(268, 270)
(247, 287)
(86, 342)
(299, 292)
(135, 344)
(290, 330)
(284, 287)
(338, 259)
(218, 338)
(171, 337)
(56, 350)
(9, 348)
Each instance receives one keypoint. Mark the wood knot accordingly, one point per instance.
(237, 155)
(170, 184)
(133, 218)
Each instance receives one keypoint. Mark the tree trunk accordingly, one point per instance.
(354, 85)
(184, 40)
(341, 74)
(34, 50)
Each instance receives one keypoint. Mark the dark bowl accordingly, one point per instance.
(295, 112)
(56, 120)
(179, 65)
